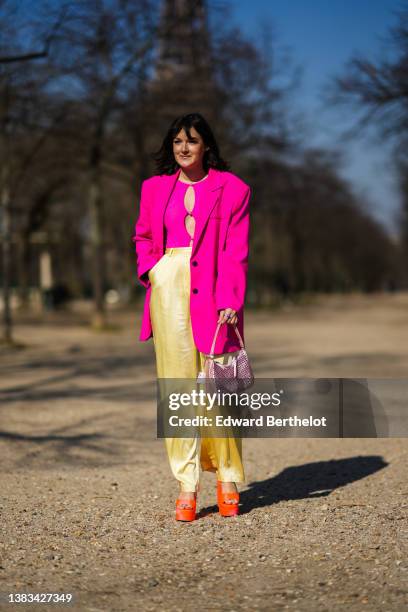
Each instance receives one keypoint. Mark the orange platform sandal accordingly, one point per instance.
(186, 509)
(226, 507)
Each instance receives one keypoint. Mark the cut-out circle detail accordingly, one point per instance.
(189, 224)
(189, 199)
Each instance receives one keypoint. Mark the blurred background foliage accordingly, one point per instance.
(87, 92)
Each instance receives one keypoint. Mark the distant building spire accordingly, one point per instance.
(182, 80)
(183, 39)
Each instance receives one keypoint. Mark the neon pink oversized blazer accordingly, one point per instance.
(219, 257)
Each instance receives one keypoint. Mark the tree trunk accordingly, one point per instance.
(23, 269)
(96, 217)
(6, 249)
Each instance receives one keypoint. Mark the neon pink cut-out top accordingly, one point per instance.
(176, 234)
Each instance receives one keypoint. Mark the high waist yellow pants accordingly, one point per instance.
(178, 357)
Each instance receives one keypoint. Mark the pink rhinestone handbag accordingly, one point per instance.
(234, 376)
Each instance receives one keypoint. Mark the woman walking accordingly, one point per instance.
(191, 240)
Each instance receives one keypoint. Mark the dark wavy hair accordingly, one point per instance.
(164, 157)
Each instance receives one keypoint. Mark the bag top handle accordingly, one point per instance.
(215, 338)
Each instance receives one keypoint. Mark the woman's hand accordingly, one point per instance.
(228, 316)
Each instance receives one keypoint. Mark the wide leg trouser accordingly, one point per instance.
(178, 357)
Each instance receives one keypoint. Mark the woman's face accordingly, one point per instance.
(189, 152)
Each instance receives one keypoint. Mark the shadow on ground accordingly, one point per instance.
(308, 481)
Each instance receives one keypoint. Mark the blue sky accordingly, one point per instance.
(322, 36)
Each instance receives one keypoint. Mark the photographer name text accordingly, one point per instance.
(260, 421)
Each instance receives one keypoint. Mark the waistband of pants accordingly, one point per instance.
(180, 250)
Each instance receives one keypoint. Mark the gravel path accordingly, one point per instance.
(87, 503)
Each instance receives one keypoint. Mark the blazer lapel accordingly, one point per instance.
(209, 197)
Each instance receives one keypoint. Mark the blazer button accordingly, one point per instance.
(195, 290)
(194, 263)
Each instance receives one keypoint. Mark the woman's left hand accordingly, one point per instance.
(228, 316)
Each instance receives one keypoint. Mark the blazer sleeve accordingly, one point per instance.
(233, 260)
(142, 237)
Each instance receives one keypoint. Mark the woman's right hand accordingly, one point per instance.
(228, 315)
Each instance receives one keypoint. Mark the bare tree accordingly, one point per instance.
(378, 90)
(13, 69)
